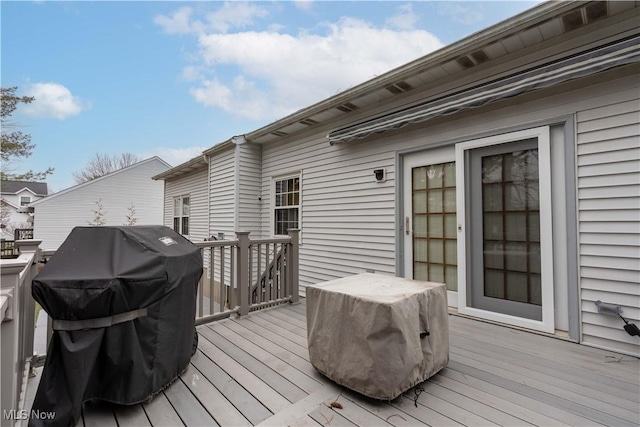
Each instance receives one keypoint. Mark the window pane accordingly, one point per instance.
(450, 226)
(491, 169)
(435, 226)
(419, 202)
(493, 283)
(434, 176)
(450, 174)
(176, 224)
(451, 278)
(451, 252)
(436, 273)
(185, 206)
(435, 201)
(420, 271)
(420, 226)
(419, 178)
(450, 200)
(185, 225)
(492, 198)
(420, 250)
(436, 251)
(285, 219)
(176, 206)
(494, 255)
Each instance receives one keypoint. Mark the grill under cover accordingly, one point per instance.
(143, 279)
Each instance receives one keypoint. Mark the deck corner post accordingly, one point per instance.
(242, 275)
(294, 233)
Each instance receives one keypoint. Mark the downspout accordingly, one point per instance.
(206, 160)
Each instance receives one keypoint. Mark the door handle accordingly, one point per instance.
(406, 226)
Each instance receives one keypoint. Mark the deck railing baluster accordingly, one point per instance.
(260, 274)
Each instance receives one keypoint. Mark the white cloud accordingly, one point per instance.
(267, 74)
(175, 156)
(406, 19)
(179, 22)
(305, 5)
(465, 15)
(235, 15)
(281, 73)
(53, 100)
(230, 15)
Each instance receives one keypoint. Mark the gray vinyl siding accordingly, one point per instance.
(249, 170)
(348, 221)
(58, 214)
(608, 139)
(195, 186)
(222, 195)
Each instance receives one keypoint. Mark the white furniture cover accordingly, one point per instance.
(376, 334)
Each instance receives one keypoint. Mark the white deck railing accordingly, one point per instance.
(18, 323)
(245, 274)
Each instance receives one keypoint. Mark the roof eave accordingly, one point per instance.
(467, 45)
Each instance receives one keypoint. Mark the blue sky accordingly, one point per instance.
(174, 78)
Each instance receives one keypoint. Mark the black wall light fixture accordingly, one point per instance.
(381, 175)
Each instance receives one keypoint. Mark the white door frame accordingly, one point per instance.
(546, 239)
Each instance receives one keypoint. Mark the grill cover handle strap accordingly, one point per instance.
(100, 322)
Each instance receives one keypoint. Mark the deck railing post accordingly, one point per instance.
(10, 363)
(27, 303)
(242, 274)
(292, 262)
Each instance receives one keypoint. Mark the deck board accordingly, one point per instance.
(187, 406)
(160, 412)
(280, 365)
(212, 400)
(291, 357)
(131, 416)
(551, 381)
(250, 407)
(249, 381)
(284, 385)
(578, 376)
(255, 370)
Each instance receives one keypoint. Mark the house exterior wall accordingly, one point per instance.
(248, 191)
(222, 193)
(608, 150)
(17, 219)
(349, 220)
(195, 186)
(57, 215)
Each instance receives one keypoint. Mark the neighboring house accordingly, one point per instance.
(506, 165)
(120, 193)
(16, 196)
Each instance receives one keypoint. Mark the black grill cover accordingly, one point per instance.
(99, 272)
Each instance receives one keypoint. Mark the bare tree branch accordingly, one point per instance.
(102, 164)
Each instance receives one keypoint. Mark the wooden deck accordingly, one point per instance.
(255, 371)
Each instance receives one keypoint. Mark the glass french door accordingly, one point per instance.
(506, 251)
(430, 219)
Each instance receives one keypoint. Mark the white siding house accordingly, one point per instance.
(506, 165)
(16, 197)
(117, 192)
